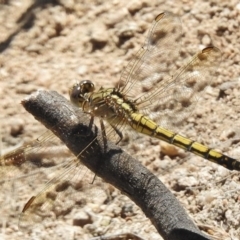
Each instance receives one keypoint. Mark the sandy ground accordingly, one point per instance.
(53, 44)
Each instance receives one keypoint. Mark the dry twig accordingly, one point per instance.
(112, 164)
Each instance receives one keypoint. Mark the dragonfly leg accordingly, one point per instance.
(91, 123)
(104, 135)
(119, 133)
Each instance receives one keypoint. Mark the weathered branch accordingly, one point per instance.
(112, 164)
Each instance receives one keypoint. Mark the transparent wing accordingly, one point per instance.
(175, 98)
(152, 61)
(170, 95)
(30, 157)
(49, 158)
(56, 196)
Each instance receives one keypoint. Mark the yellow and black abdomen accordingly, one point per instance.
(145, 125)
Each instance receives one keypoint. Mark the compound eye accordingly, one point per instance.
(78, 93)
(86, 86)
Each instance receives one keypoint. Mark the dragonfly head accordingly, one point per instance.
(79, 93)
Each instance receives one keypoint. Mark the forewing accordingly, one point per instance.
(29, 158)
(151, 64)
(29, 168)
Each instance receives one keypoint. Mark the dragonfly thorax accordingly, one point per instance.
(107, 103)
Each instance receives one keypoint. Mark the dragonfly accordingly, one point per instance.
(149, 99)
(119, 106)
